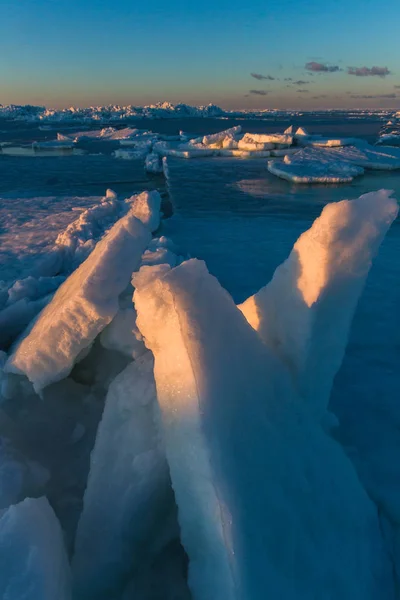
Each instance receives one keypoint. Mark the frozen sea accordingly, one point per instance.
(243, 222)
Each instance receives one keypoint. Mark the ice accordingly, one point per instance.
(137, 154)
(314, 166)
(19, 477)
(106, 134)
(369, 157)
(324, 142)
(219, 137)
(269, 138)
(304, 313)
(146, 207)
(160, 256)
(284, 151)
(250, 142)
(153, 163)
(245, 153)
(84, 304)
(268, 504)
(188, 153)
(59, 143)
(128, 495)
(123, 335)
(34, 564)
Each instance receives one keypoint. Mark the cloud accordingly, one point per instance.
(260, 77)
(321, 67)
(374, 97)
(397, 87)
(258, 92)
(368, 72)
(287, 79)
(303, 91)
(300, 82)
(320, 96)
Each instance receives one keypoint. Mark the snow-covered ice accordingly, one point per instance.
(314, 166)
(34, 564)
(83, 305)
(153, 163)
(146, 207)
(128, 498)
(369, 157)
(304, 313)
(122, 334)
(268, 504)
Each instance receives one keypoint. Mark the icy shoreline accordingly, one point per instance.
(86, 348)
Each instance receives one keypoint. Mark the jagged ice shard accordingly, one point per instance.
(304, 313)
(268, 503)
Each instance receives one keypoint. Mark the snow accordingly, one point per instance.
(84, 304)
(146, 207)
(248, 142)
(34, 564)
(304, 313)
(269, 138)
(105, 134)
(129, 494)
(268, 504)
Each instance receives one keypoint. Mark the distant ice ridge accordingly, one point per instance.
(108, 113)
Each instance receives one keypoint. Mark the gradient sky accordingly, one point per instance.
(94, 52)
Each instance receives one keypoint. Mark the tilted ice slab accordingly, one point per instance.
(268, 504)
(146, 207)
(34, 564)
(215, 138)
(314, 166)
(369, 157)
(304, 313)
(128, 495)
(82, 306)
(269, 138)
(123, 335)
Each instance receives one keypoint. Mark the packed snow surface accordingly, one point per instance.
(313, 167)
(281, 508)
(369, 157)
(34, 564)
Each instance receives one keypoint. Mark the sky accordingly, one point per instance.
(300, 54)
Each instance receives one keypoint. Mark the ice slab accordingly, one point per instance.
(105, 134)
(34, 565)
(146, 207)
(312, 170)
(304, 314)
(324, 142)
(244, 153)
(369, 157)
(216, 138)
(153, 163)
(129, 494)
(123, 335)
(82, 306)
(268, 504)
(269, 138)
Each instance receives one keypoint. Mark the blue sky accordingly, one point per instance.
(64, 52)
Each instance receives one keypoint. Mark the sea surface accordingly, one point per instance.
(243, 222)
